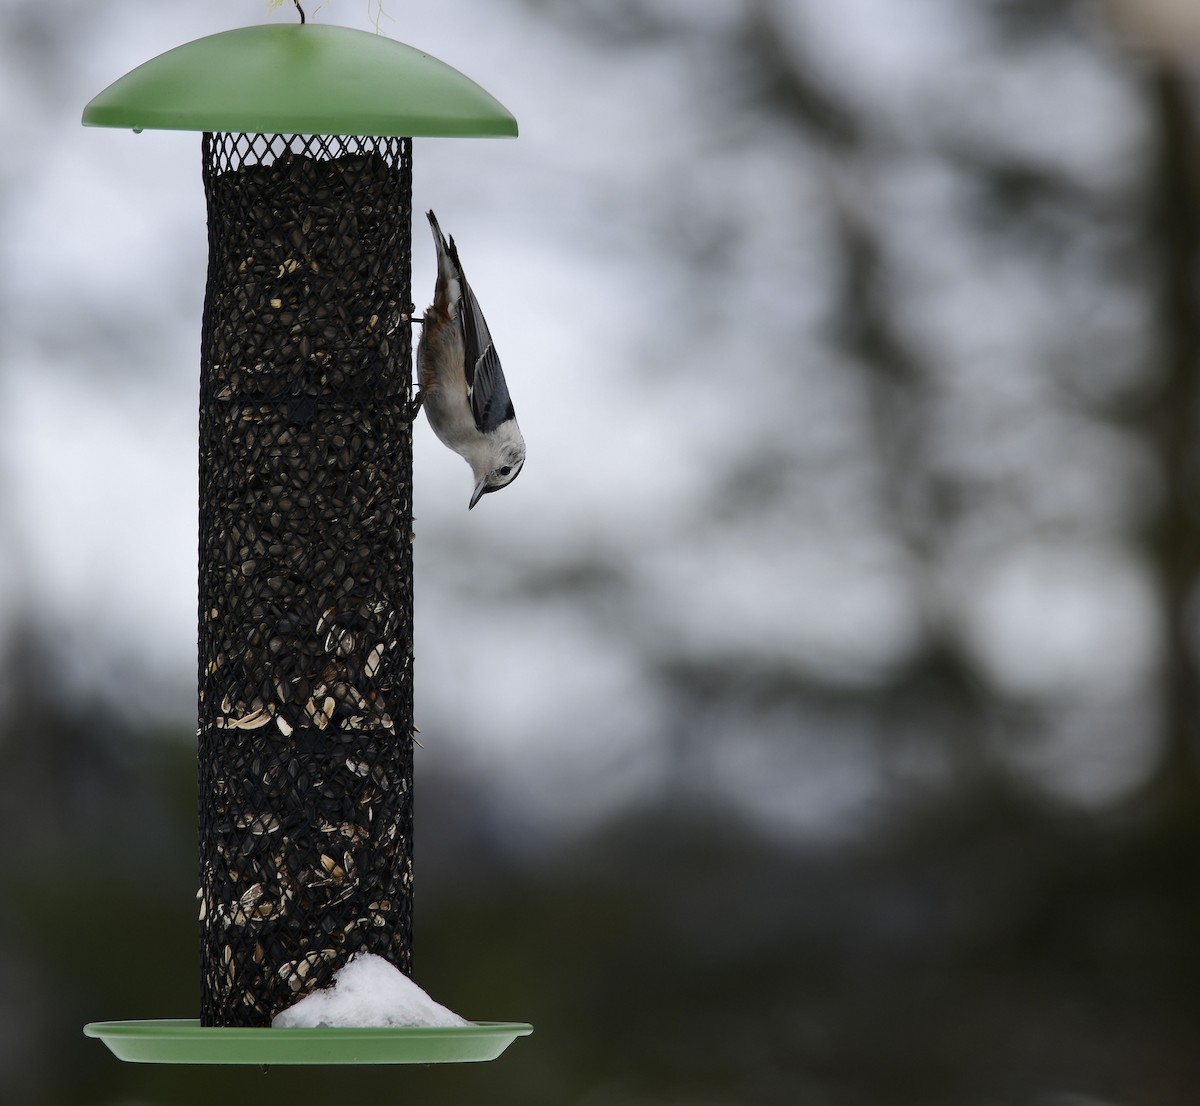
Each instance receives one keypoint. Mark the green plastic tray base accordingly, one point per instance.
(185, 1041)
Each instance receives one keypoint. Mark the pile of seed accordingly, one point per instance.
(305, 627)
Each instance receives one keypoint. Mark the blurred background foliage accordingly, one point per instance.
(849, 752)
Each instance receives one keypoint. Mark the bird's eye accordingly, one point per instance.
(506, 470)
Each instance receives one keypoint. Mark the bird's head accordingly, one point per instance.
(503, 467)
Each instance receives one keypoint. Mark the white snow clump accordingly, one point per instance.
(367, 991)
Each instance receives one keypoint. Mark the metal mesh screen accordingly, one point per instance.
(305, 608)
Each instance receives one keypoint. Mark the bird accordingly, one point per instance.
(461, 385)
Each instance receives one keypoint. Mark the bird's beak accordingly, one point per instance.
(477, 494)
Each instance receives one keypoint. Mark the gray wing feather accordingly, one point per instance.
(490, 401)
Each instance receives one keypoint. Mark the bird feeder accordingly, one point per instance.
(305, 635)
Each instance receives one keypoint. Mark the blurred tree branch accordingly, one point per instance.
(1171, 421)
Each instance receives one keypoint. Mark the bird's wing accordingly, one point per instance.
(486, 387)
(490, 401)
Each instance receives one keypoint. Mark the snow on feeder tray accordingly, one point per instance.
(305, 578)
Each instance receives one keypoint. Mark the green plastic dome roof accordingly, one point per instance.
(300, 79)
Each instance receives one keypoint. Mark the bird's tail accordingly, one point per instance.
(439, 239)
(448, 290)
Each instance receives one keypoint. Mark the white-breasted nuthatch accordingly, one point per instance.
(462, 386)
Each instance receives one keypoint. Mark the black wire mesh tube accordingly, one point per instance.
(305, 591)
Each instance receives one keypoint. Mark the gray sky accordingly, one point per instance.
(655, 262)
